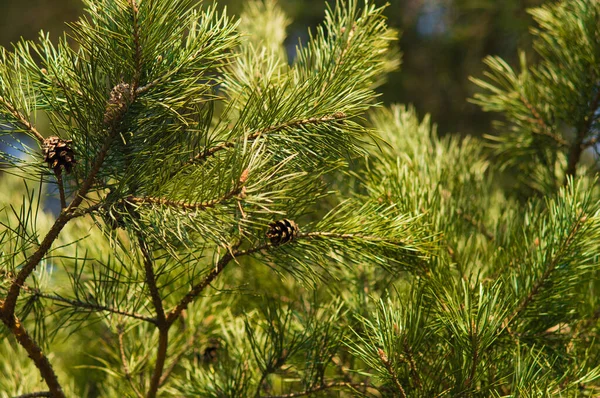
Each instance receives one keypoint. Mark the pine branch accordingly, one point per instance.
(412, 364)
(577, 147)
(36, 354)
(202, 156)
(336, 235)
(547, 273)
(88, 306)
(62, 84)
(263, 376)
(11, 299)
(340, 60)
(230, 255)
(124, 362)
(545, 128)
(348, 375)
(151, 282)
(317, 389)
(148, 200)
(388, 365)
(76, 213)
(183, 205)
(22, 120)
(113, 120)
(8, 306)
(145, 88)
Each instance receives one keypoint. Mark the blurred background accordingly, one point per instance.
(443, 43)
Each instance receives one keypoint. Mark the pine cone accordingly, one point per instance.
(120, 95)
(57, 153)
(211, 352)
(282, 231)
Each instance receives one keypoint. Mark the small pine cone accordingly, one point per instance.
(282, 231)
(211, 352)
(57, 153)
(120, 96)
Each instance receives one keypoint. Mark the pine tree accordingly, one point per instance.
(237, 224)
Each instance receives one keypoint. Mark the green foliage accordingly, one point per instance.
(416, 269)
(550, 107)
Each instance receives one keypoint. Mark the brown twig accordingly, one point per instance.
(148, 200)
(475, 359)
(480, 227)
(340, 59)
(35, 353)
(143, 89)
(124, 362)
(151, 282)
(61, 189)
(543, 279)
(577, 147)
(268, 130)
(161, 321)
(22, 119)
(322, 387)
(545, 128)
(412, 364)
(198, 288)
(137, 45)
(388, 365)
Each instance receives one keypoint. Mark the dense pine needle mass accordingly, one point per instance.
(240, 224)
